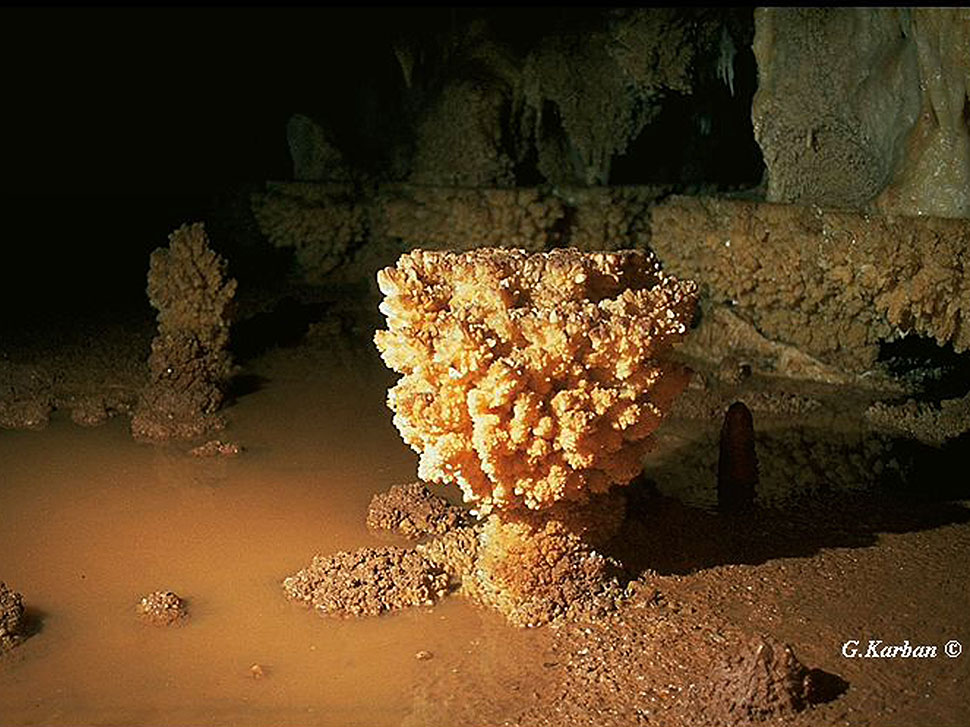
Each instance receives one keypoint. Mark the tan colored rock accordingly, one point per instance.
(190, 363)
(413, 511)
(603, 87)
(859, 107)
(367, 582)
(932, 424)
(462, 219)
(459, 139)
(324, 224)
(162, 608)
(764, 680)
(932, 177)
(838, 90)
(13, 621)
(533, 567)
(831, 283)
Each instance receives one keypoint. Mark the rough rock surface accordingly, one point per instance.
(162, 608)
(933, 175)
(216, 448)
(190, 364)
(533, 567)
(413, 511)
(315, 158)
(762, 680)
(928, 423)
(25, 413)
(339, 232)
(463, 219)
(588, 94)
(92, 368)
(459, 139)
(859, 103)
(367, 582)
(13, 624)
(837, 93)
(831, 283)
(324, 224)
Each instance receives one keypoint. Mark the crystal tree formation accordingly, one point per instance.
(190, 362)
(529, 379)
(533, 381)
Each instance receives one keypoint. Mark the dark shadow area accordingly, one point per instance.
(932, 473)
(242, 385)
(935, 372)
(705, 137)
(34, 619)
(823, 686)
(663, 534)
(85, 253)
(234, 232)
(282, 327)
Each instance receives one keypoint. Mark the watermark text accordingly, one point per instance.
(878, 649)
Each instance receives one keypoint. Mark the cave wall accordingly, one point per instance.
(862, 107)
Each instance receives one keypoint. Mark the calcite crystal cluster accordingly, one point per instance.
(533, 381)
(531, 378)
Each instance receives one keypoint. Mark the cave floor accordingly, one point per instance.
(90, 521)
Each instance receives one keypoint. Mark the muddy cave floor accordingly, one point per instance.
(91, 521)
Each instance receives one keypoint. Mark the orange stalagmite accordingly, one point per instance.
(531, 378)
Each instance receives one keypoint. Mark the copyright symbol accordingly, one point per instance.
(953, 648)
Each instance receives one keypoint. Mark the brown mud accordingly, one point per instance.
(90, 521)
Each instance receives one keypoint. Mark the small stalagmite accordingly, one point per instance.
(190, 364)
(737, 466)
